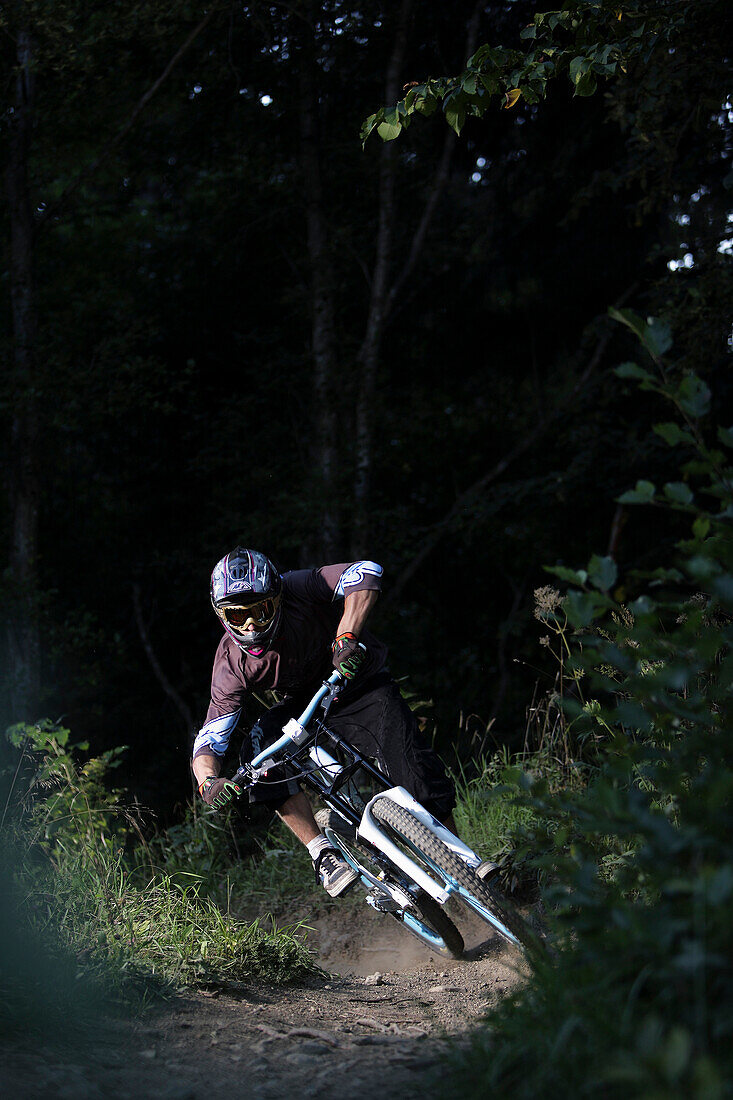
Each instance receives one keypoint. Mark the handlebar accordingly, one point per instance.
(325, 689)
(291, 729)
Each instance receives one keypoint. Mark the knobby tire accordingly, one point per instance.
(426, 909)
(439, 858)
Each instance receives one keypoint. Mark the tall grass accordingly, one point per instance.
(87, 918)
(271, 872)
(491, 814)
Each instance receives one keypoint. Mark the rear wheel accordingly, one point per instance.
(423, 916)
(447, 868)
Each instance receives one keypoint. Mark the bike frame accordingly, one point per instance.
(327, 777)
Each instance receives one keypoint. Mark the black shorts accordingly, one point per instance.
(375, 719)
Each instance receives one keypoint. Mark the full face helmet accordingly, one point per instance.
(246, 594)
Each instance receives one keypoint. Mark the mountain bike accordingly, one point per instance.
(408, 862)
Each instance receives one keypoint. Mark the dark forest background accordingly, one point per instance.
(224, 321)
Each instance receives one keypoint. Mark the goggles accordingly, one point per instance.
(242, 616)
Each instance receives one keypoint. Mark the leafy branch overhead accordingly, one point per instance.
(586, 41)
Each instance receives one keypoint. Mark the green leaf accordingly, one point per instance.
(693, 395)
(654, 334)
(580, 608)
(367, 127)
(642, 606)
(602, 572)
(586, 85)
(490, 83)
(481, 54)
(702, 568)
(629, 318)
(16, 735)
(678, 492)
(572, 576)
(725, 436)
(723, 589)
(388, 131)
(642, 494)
(673, 434)
(631, 714)
(660, 575)
(658, 336)
(578, 66)
(700, 527)
(454, 107)
(676, 1052)
(512, 776)
(632, 370)
(426, 105)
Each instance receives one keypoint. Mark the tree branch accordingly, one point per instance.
(432, 537)
(178, 701)
(439, 181)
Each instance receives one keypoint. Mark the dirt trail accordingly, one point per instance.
(382, 1021)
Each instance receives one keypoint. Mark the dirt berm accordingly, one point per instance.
(379, 1025)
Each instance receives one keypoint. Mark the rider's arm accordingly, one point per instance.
(228, 692)
(348, 651)
(204, 765)
(357, 606)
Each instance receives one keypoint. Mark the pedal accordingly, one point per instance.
(383, 903)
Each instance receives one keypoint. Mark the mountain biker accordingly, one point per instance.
(288, 633)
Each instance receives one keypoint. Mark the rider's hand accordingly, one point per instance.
(348, 655)
(218, 792)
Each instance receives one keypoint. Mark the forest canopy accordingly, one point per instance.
(224, 320)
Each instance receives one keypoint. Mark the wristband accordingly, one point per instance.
(343, 637)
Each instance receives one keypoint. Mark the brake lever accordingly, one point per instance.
(326, 702)
(242, 775)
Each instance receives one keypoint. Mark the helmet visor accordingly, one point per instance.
(243, 618)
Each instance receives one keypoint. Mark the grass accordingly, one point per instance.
(490, 817)
(77, 942)
(90, 922)
(98, 915)
(171, 933)
(486, 813)
(265, 868)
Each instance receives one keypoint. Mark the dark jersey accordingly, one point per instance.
(300, 658)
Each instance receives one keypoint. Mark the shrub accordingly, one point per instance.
(638, 999)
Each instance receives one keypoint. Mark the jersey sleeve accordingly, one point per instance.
(359, 576)
(228, 690)
(333, 582)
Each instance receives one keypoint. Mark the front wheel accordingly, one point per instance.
(427, 920)
(423, 917)
(448, 869)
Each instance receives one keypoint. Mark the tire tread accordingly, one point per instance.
(405, 824)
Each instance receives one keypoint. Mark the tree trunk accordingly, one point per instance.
(368, 357)
(383, 296)
(323, 329)
(23, 635)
